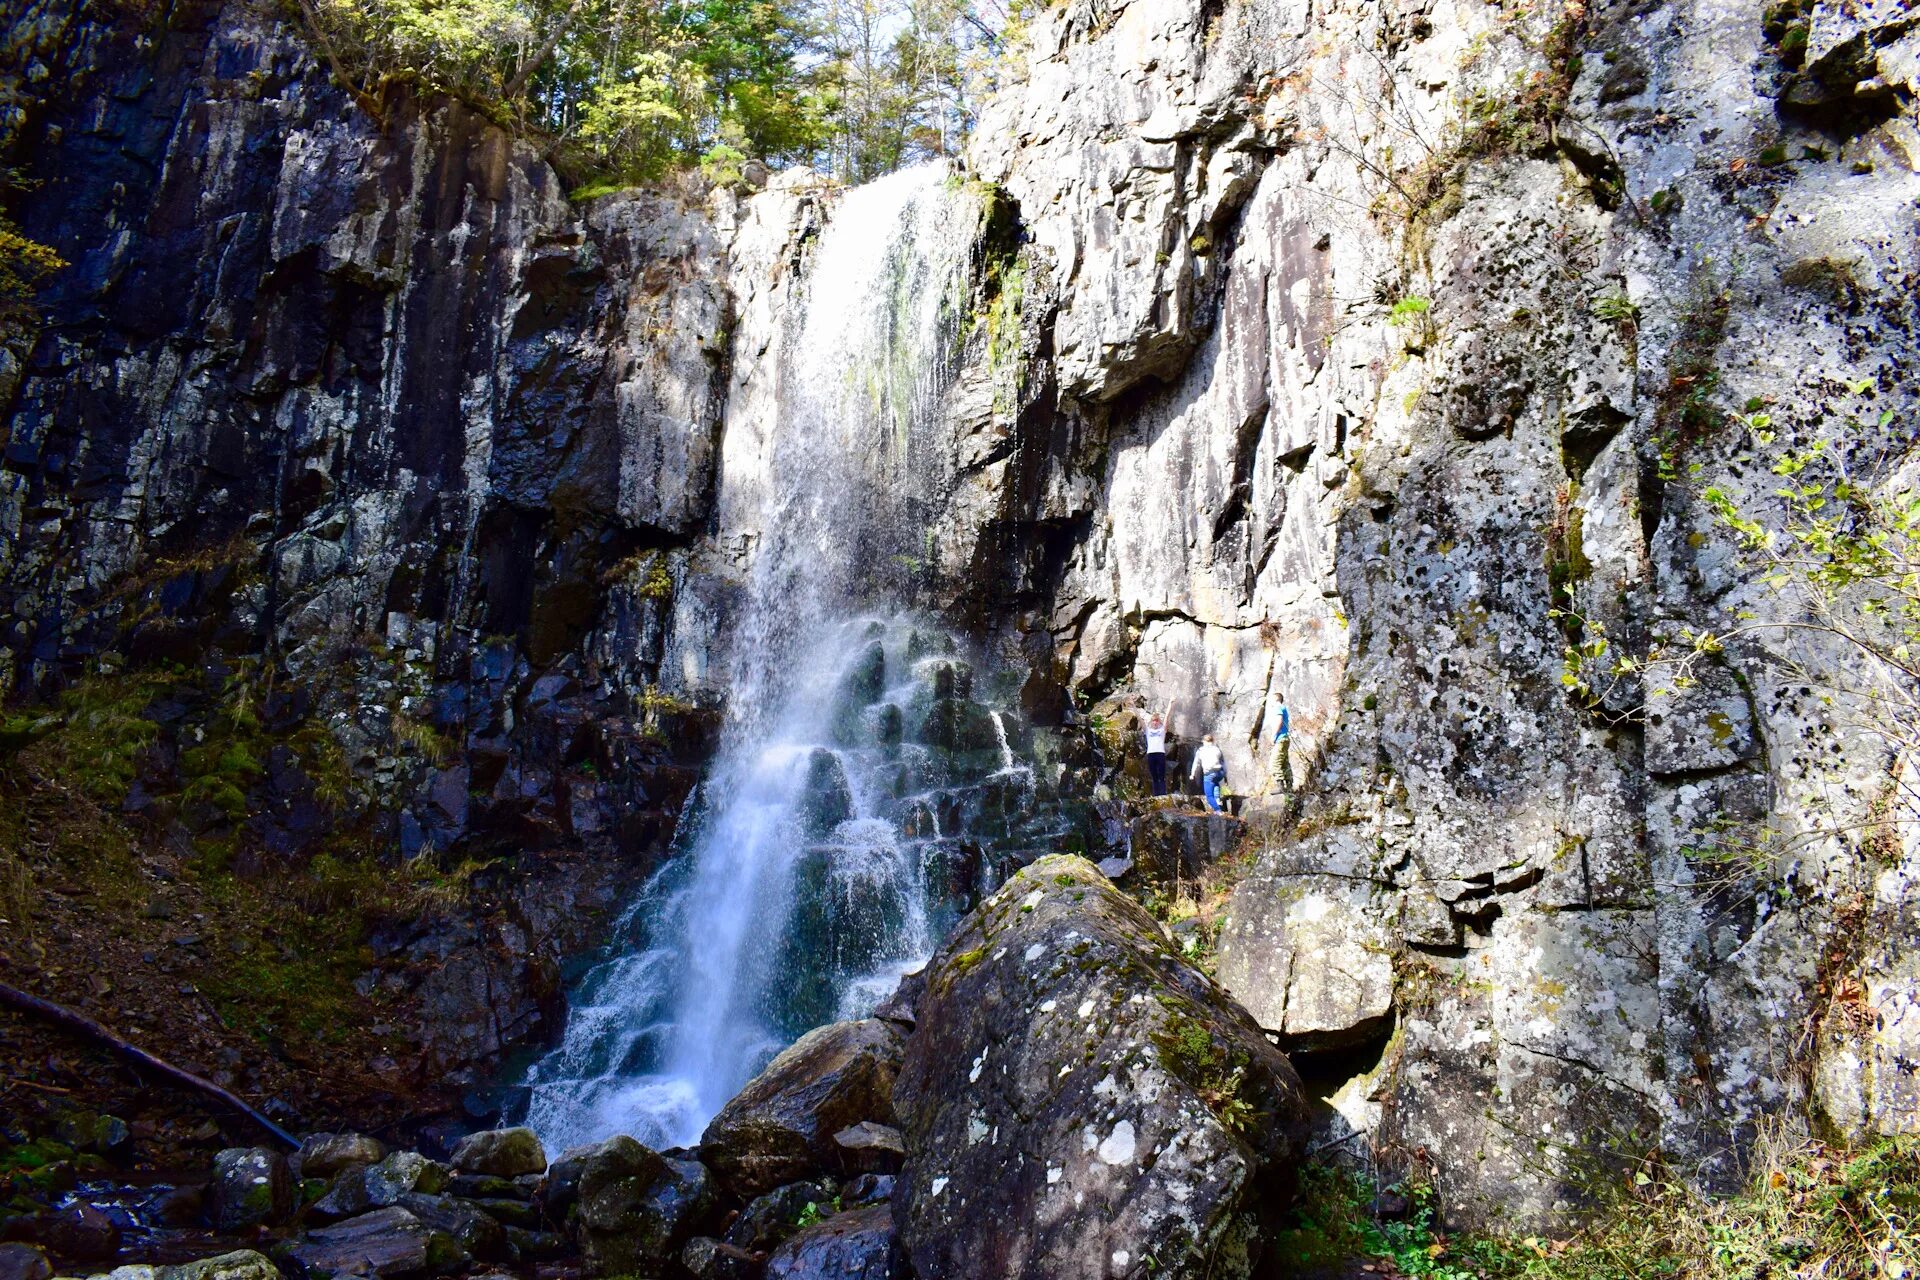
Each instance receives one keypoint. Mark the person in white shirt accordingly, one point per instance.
(1156, 735)
(1211, 768)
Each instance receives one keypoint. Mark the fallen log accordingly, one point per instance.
(86, 1028)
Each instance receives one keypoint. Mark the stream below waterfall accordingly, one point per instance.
(873, 776)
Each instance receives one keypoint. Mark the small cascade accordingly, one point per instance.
(869, 783)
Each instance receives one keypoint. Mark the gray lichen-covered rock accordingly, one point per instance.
(503, 1153)
(250, 1187)
(1310, 957)
(848, 1246)
(781, 1127)
(1078, 1101)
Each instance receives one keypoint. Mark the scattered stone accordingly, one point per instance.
(1114, 868)
(325, 1155)
(251, 1187)
(177, 1206)
(899, 1007)
(847, 1246)
(780, 1127)
(504, 1153)
(710, 1259)
(771, 1218)
(870, 1148)
(389, 1244)
(24, 1262)
(1078, 1098)
(1168, 845)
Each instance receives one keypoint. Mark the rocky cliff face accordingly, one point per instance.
(1351, 352)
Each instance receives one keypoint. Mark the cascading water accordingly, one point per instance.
(861, 784)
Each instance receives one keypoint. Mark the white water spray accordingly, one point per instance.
(803, 892)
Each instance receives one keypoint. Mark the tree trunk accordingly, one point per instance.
(86, 1028)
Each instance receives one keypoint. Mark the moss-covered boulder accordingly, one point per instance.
(503, 1153)
(1078, 1101)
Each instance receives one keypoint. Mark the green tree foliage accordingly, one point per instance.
(630, 90)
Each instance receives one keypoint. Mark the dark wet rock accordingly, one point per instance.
(899, 1007)
(177, 1206)
(847, 1246)
(324, 1155)
(780, 1127)
(870, 1148)
(868, 1188)
(475, 1186)
(480, 1234)
(78, 1232)
(388, 1244)
(502, 1153)
(251, 1187)
(363, 1188)
(518, 1213)
(597, 1162)
(1078, 1099)
(635, 1207)
(538, 1245)
(771, 1218)
(709, 1259)
(24, 1262)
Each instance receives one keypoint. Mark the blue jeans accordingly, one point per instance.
(1210, 784)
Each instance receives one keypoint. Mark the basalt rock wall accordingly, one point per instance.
(1369, 354)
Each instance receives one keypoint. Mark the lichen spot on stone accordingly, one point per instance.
(1086, 1007)
(1120, 1259)
(939, 1185)
(1055, 1174)
(1035, 951)
(1048, 1006)
(1032, 900)
(1119, 1146)
(979, 1065)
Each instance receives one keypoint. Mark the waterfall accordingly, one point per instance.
(860, 773)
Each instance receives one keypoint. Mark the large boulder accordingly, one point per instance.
(781, 1127)
(1310, 957)
(847, 1246)
(1078, 1101)
(1168, 845)
(503, 1153)
(387, 1244)
(250, 1187)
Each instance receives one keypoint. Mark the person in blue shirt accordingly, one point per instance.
(1282, 768)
